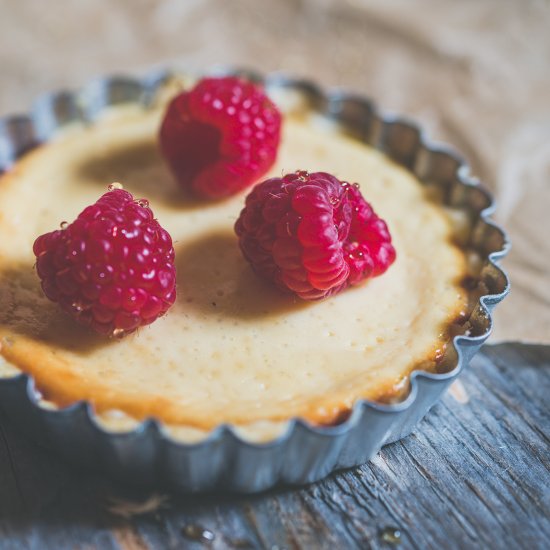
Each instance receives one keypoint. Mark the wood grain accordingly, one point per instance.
(476, 474)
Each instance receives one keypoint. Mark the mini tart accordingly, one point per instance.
(233, 349)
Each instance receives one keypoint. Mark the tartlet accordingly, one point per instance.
(233, 350)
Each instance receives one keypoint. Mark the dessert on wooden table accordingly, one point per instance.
(278, 306)
(233, 348)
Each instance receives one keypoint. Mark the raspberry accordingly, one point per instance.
(221, 136)
(112, 269)
(313, 234)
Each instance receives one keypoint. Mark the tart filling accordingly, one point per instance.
(232, 349)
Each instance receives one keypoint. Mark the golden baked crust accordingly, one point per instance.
(232, 349)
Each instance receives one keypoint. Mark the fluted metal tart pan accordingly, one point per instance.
(304, 453)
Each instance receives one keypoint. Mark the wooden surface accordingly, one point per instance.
(475, 74)
(476, 474)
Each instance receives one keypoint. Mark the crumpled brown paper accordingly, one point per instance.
(475, 74)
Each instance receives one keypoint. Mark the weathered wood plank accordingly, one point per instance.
(475, 474)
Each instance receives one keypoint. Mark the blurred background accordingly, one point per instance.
(475, 73)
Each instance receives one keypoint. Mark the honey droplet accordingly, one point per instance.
(64, 225)
(391, 535)
(198, 533)
(118, 333)
(115, 185)
(144, 203)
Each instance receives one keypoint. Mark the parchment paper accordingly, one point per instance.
(474, 73)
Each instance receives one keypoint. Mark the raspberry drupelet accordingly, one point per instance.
(112, 269)
(221, 136)
(313, 234)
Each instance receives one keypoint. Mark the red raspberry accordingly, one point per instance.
(111, 269)
(313, 234)
(221, 136)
